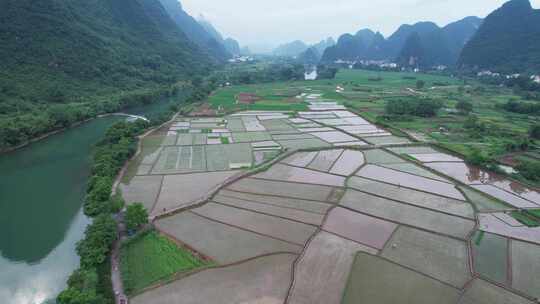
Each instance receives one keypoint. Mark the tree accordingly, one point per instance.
(96, 245)
(420, 84)
(530, 170)
(464, 107)
(477, 158)
(534, 131)
(136, 216)
(417, 107)
(97, 199)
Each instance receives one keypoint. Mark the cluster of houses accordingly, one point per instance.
(379, 63)
(384, 64)
(534, 78)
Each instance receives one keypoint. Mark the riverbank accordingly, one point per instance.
(44, 136)
(42, 188)
(75, 125)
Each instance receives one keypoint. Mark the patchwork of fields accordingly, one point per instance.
(321, 206)
(368, 92)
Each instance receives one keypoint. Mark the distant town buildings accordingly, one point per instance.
(488, 74)
(384, 64)
(240, 59)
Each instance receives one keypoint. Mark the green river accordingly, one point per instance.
(42, 188)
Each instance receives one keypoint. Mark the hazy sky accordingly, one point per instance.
(270, 22)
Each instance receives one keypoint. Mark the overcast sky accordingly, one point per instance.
(271, 22)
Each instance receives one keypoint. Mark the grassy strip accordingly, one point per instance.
(527, 218)
(479, 237)
(152, 257)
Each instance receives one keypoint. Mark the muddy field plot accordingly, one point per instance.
(280, 201)
(386, 140)
(412, 197)
(281, 229)
(376, 280)
(525, 267)
(409, 215)
(322, 271)
(223, 243)
(411, 181)
(279, 211)
(490, 256)
(300, 175)
(283, 189)
(142, 189)
(482, 292)
(493, 224)
(439, 257)
(181, 190)
(360, 228)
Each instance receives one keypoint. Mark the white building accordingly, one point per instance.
(488, 73)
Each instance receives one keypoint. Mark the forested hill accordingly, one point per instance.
(66, 60)
(207, 39)
(508, 41)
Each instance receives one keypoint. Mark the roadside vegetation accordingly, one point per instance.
(149, 257)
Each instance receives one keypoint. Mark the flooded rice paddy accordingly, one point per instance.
(355, 220)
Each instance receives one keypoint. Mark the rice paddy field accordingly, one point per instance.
(367, 93)
(321, 206)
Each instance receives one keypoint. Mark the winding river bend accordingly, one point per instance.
(42, 188)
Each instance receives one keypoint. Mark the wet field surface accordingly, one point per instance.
(344, 222)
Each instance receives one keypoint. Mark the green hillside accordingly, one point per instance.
(68, 60)
(508, 41)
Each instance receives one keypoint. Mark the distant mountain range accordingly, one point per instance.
(422, 44)
(508, 41)
(290, 49)
(299, 48)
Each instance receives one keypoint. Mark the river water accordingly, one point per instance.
(42, 189)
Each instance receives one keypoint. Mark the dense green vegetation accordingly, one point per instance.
(110, 155)
(150, 257)
(259, 72)
(136, 216)
(413, 106)
(508, 41)
(528, 218)
(79, 59)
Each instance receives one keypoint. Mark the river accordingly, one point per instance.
(42, 188)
